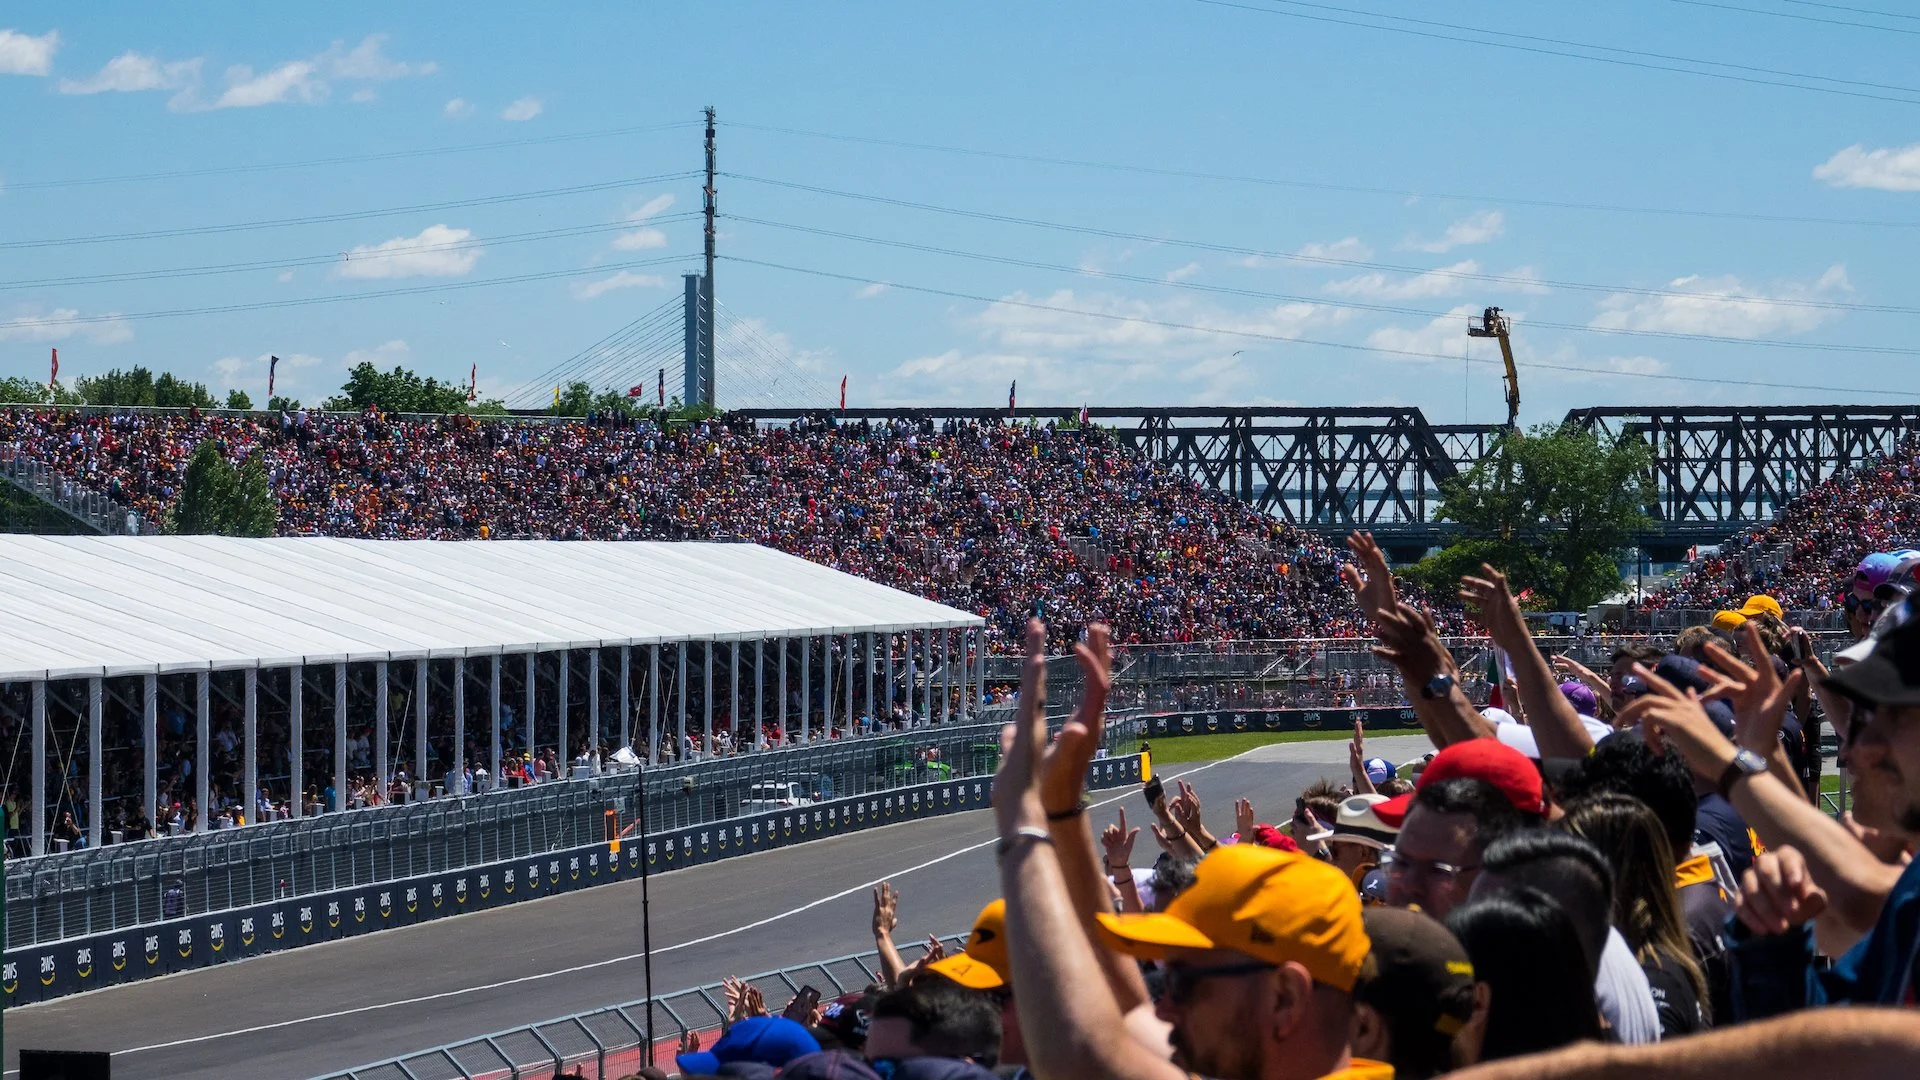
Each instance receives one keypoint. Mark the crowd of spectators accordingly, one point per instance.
(1803, 556)
(1004, 520)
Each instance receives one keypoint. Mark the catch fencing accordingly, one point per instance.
(87, 892)
(612, 1042)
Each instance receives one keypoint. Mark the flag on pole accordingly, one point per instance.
(1011, 387)
(663, 387)
(556, 397)
(473, 383)
(273, 366)
(53, 380)
(1083, 416)
(843, 393)
(637, 391)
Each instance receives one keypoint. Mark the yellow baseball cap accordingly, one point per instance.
(1728, 620)
(1272, 905)
(984, 965)
(1762, 604)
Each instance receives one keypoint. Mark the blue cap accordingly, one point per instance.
(1379, 770)
(769, 1040)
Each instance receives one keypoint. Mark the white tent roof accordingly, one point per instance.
(104, 605)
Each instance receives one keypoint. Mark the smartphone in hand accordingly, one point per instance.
(1154, 791)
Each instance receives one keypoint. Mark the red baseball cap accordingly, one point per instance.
(1475, 759)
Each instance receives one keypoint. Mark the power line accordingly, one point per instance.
(1312, 185)
(1195, 286)
(1318, 260)
(637, 325)
(334, 257)
(1855, 10)
(1799, 18)
(316, 219)
(1350, 346)
(354, 159)
(1478, 36)
(267, 305)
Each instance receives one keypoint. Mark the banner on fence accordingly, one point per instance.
(1220, 721)
(55, 969)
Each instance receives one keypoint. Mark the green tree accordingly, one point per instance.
(117, 387)
(1555, 509)
(282, 403)
(396, 391)
(172, 392)
(574, 399)
(238, 399)
(15, 390)
(220, 499)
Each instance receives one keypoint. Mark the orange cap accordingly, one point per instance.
(1272, 905)
(1728, 620)
(983, 966)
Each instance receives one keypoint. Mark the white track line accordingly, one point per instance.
(756, 924)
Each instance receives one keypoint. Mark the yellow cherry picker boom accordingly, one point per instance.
(1493, 324)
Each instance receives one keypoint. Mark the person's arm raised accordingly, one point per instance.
(886, 904)
(1369, 576)
(1556, 726)
(1071, 1019)
(1409, 642)
(1759, 698)
(1063, 785)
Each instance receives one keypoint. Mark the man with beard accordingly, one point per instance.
(1260, 955)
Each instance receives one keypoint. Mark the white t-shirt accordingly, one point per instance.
(1624, 995)
(1520, 736)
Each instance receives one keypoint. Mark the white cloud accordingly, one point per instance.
(640, 240)
(131, 73)
(1348, 247)
(308, 81)
(1445, 336)
(525, 109)
(625, 279)
(1885, 169)
(1114, 325)
(1184, 272)
(458, 109)
(285, 275)
(869, 291)
(62, 324)
(1473, 229)
(296, 81)
(1725, 307)
(24, 55)
(1445, 281)
(438, 251)
(651, 207)
(364, 95)
(367, 62)
(396, 351)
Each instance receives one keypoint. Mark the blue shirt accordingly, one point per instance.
(1777, 974)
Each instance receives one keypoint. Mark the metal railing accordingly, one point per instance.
(94, 508)
(96, 890)
(611, 1042)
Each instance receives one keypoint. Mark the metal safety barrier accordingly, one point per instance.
(609, 1043)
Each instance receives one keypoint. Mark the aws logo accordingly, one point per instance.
(83, 963)
(706, 842)
(246, 933)
(360, 909)
(553, 872)
(119, 958)
(573, 868)
(306, 920)
(386, 905)
(47, 973)
(593, 865)
(277, 923)
(460, 891)
(437, 894)
(152, 946)
(1239, 721)
(486, 885)
(508, 883)
(333, 914)
(10, 977)
(217, 936)
(185, 945)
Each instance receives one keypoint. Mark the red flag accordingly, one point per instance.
(843, 393)
(1083, 416)
(53, 380)
(637, 391)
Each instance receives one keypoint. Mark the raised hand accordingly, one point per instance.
(1116, 841)
(754, 1002)
(689, 1041)
(1409, 643)
(1063, 769)
(1243, 821)
(1777, 894)
(1499, 612)
(1369, 576)
(1357, 761)
(1758, 695)
(1674, 718)
(886, 903)
(734, 991)
(1016, 786)
(1185, 808)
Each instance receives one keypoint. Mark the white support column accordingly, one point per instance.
(526, 722)
(37, 790)
(149, 746)
(593, 701)
(867, 657)
(421, 681)
(980, 665)
(493, 711)
(560, 753)
(250, 745)
(780, 705)
(296, 753)
(339, 737)
(203, 710)
(95, 803)
(826, 685)
(680, 700)
(653, 704)
(626, 695)
(907, 662)
(846, 680)
(457, 772)
(382, 690)
(806, 689)
(759, 692)
(733, 688)
(706, 695)
(946, 675)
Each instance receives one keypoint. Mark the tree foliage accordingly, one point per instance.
(139, 387)
(238, 399)
(15, 390)
(402, 391)
(1555, 509)
(218, 498)
(282, 403)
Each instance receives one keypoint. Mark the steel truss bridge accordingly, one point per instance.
(1715, 469)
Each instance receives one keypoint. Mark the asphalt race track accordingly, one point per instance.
(328, 1007)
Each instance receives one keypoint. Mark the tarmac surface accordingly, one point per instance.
(329, 1007)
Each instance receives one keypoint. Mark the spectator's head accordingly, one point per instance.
(935, 1018)
(760, 1040)
(1570, 870)
(1580, 696)
(1646, 908)
(1540, 982)
(1416, 1006)
(1436, 856)
(1624, 764)
(1692, 642)
(843, 1022)
(1620, 665)
(984, 966)
(1490, 760)
(1171, 877)
(1313, 814)
(1259, 959)
(1885, 732)
(1359, 836)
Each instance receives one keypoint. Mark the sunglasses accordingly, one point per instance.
(1853, 603)
(1181, 980)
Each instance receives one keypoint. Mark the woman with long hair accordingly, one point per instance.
(1646, 909)
(1525, 948)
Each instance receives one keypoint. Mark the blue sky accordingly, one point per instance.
(1404, 180)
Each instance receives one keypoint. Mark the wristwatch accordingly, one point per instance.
(1437, 687)
(1745, 763)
